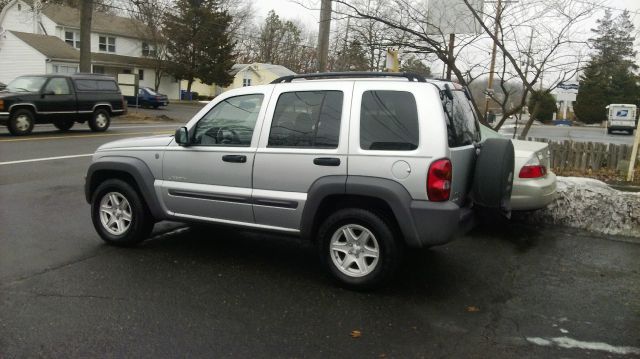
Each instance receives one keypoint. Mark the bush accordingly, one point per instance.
(547, 105)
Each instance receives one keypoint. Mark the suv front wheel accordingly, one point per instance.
(119, 215)
(359, 248)
(21, 122)
(100, 120)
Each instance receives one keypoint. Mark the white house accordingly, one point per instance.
(47, 41)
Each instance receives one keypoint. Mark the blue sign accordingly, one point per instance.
(622, 113)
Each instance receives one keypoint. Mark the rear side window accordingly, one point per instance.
(95, 85)
(462, 127)
(307, 119)
(389, 121)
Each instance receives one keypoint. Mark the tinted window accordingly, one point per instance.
(96, 85)
(388, 121)
(462, 127)
(230, 122)
(58, 85)
(307, 119)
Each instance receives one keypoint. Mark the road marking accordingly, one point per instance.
(86, 136)
(45, 159)
(569, 343)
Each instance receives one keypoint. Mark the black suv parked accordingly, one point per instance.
(62, 100)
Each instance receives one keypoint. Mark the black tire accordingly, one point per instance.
(21, 122)
(155, 107)
(64, 125)
(493, 175)
(140, 224)
(389, 253)
(608, 131)
(100, 120)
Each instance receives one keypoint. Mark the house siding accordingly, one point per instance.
(18, 20)
(13, 51)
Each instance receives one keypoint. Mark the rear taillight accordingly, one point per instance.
(439, 180)
(533, 169)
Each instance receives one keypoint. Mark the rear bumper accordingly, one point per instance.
(440, 222)
(533, 193)
(622, 128)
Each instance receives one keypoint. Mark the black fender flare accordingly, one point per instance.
(391, 192)
(132, 166)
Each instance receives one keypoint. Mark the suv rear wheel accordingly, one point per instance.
(21, 122)
(100, 120)
(119, 215)
(358, 248)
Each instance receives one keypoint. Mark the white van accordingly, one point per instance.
(621, 117)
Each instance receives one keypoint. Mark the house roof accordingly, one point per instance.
(56, 49)
(104, 23)
(278, 70)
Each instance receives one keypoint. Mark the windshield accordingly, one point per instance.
(26, 84)
(150, 91)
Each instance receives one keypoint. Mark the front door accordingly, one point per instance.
(211, 178)
(57, 102)
(303, 138)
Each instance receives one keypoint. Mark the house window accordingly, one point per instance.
(107, 43)
(72, 38)
(19, 7)
(140, 74)
(126, 71)
(62, 69)
(246, 82)
(98, 69)
(148, 50)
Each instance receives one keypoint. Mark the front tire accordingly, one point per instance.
(119, 214)
(64, 125)
(100, 121)
(359, 248)
(21, 122)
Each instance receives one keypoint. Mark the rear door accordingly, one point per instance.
(303, 139)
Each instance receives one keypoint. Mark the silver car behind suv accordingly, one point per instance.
(365, 165)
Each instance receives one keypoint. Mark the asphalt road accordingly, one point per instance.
(518, 292)
(578, 134)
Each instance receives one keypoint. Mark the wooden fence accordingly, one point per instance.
(586, 156)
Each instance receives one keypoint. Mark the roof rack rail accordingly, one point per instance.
(363, 74)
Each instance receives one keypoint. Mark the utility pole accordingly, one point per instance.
(526, 72)
(493, 57)
(86, 14)
(452, 38)
(323, 35)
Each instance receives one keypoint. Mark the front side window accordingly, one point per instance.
(388, 121)
(230, 122)
(308, 119)
(58, 85)
(107, 43)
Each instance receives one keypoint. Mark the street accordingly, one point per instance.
(578, 134)
(193, 291)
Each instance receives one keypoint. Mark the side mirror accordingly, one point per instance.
(44, 93)
(182, 136)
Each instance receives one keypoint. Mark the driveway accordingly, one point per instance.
(518, 291)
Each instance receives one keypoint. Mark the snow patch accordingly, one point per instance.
(570, 343)
(590, 204)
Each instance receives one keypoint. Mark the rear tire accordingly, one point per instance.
(493, 175)
(358, 248)
(21, 122)
(119, 214)
(100, 121)
(64, 125)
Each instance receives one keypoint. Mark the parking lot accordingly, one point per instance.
(511, 291)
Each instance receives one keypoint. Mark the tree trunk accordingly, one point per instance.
(532, 115)
(86, 14)
(189, 83)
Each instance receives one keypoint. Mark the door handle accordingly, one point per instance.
(235, 158)
(326, 161)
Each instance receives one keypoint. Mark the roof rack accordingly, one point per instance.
(327, 75)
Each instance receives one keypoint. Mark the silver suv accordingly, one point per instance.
(365, 165)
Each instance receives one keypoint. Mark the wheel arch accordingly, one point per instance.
(129, 169)
(332, 192)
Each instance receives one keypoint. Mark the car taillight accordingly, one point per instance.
(533, 169)
(439, 180)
